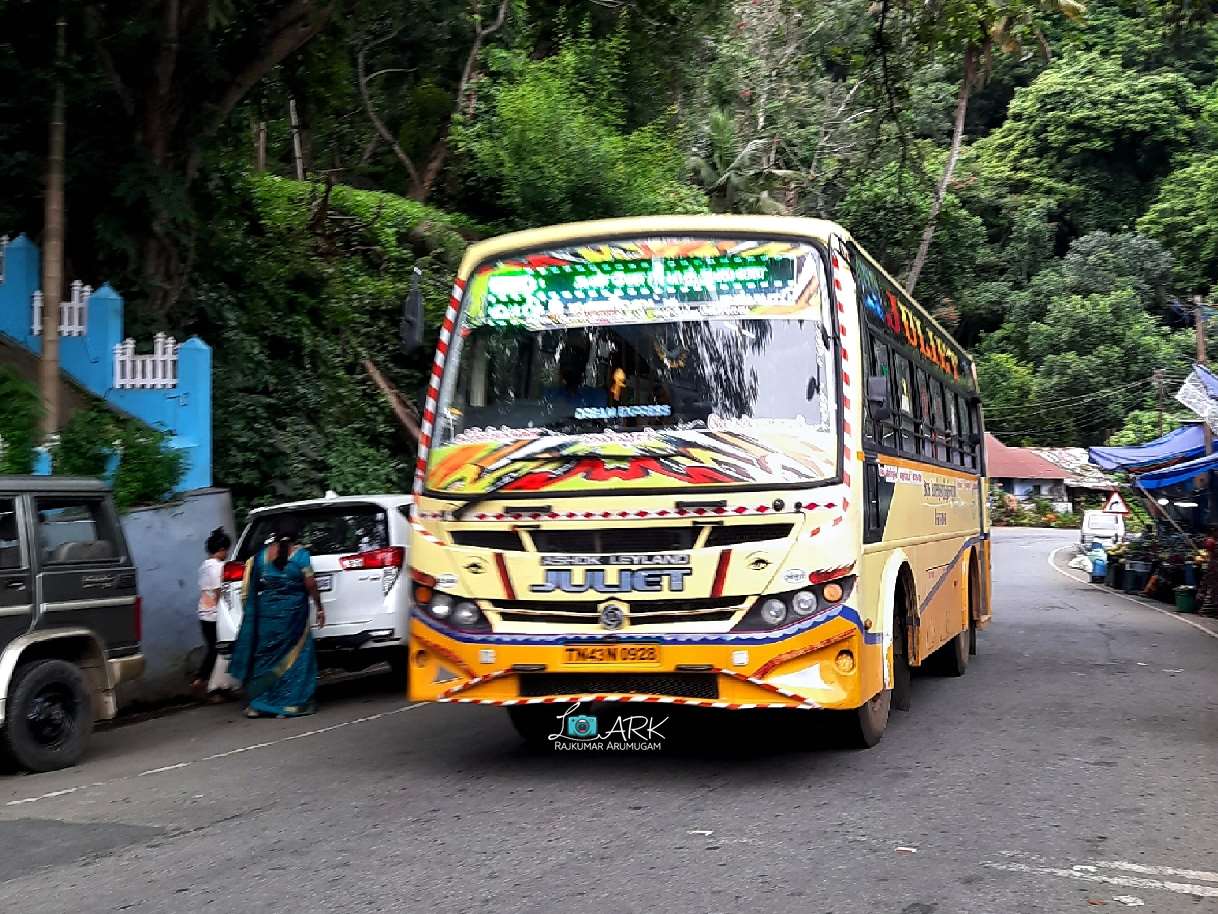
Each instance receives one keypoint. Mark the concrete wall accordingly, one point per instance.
(167, 544)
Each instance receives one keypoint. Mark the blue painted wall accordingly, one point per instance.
(184, 411)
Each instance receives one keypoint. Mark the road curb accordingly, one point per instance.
(1192, 623)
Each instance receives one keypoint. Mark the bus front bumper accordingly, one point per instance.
(834, 663)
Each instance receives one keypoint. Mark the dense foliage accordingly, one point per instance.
(95, 442)
(20, 410)
(1059, 165)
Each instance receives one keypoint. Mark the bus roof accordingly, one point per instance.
(552, 236)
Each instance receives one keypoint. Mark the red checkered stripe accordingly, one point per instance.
(844, 293)
(450, 696)
(426, 534)
(433, 388)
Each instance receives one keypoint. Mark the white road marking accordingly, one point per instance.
(55, 793)
(1123, 596)
(1130, 901)
(1127, 882)
(219, 755)
(1200, 875)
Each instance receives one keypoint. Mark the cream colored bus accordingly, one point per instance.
(705, 460)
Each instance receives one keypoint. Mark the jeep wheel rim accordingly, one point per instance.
(52, 715)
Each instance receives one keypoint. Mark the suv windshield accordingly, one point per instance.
(323, 531)
(616, 344)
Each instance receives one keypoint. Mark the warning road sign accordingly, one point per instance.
(1115, 504)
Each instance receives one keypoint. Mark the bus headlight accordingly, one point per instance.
(466, 614)
(441, 607)
(773, 611)
(804, 603)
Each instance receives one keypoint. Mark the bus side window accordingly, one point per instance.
(951, 411)
(967, 456)
(974, 428)
(923, 421)
(905, 403)
(938, 426)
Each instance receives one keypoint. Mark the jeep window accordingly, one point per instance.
(73, 529)
(10, 540)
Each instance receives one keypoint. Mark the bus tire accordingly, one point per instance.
(50, 716)
(952, 658)
(863, 727)
(534, 723)
(974, 606)
(902, 675)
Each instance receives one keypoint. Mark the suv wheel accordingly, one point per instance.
(50, 715)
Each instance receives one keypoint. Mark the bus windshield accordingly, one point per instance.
(663, 337)
(672, 375)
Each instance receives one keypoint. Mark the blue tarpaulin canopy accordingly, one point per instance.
(1179, 473)
(1209, 379)
(1185, 443)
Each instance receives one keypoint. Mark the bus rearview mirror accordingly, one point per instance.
(412, 317)
(877, 398)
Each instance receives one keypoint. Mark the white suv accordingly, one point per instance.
(358, 547)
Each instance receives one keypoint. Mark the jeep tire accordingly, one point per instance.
(49, 715)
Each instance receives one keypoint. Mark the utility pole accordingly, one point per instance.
(52, 244)
(297, 148)
(1211, 516)
(1158, 379)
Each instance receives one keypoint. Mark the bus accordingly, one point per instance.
(721, 461)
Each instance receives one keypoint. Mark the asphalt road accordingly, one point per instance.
(1075, 765)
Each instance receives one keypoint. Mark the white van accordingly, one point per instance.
(358, 546)
(1098, 527)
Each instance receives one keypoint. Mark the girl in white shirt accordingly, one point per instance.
(211, 579)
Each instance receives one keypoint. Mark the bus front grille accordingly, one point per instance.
(650, 612)
(673, 685)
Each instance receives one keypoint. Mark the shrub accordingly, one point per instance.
(148, 468)
(85, 443)
(20, 410)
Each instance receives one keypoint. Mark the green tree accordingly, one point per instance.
(1085, 126)
(1184, 217)
(1142, 425)
(549, 153)
(974, 29)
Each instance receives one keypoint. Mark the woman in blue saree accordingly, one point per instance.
(273, 656)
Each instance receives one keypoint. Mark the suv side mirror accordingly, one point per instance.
(412, 317)
(877, 398)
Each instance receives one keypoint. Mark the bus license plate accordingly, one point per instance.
(324, 582)
(613, 654)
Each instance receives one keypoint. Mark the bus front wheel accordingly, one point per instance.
(864, 727)
(533, 723)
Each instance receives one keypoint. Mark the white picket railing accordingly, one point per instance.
(156, 369)
(73, 314)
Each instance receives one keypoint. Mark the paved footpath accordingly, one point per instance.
(1074, 767)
